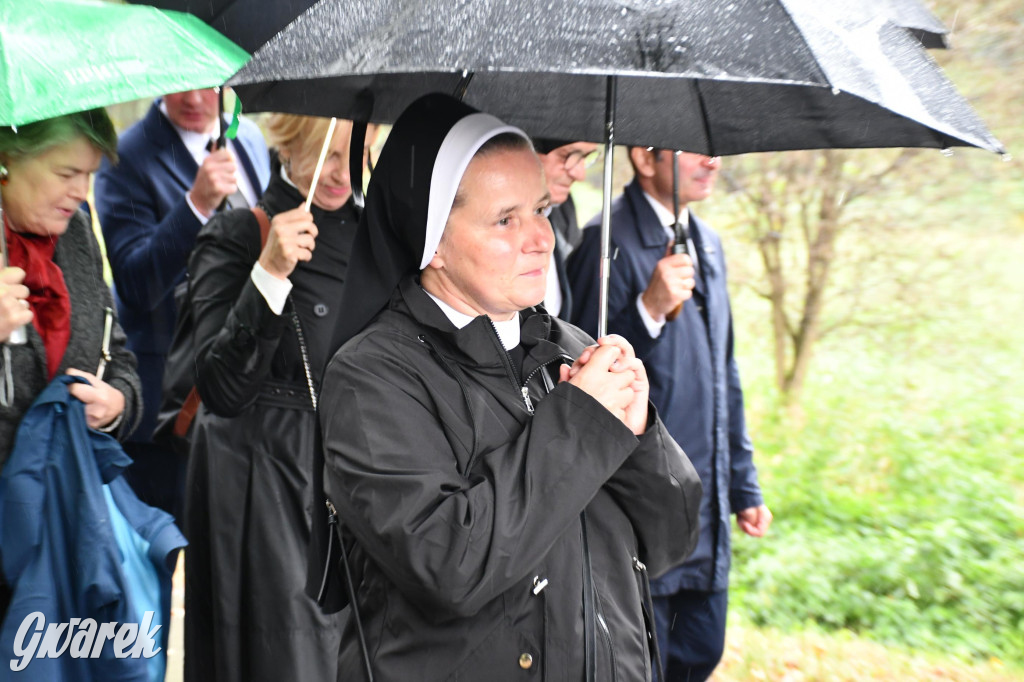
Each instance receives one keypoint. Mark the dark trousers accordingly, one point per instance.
(157, 475)
(691, 633)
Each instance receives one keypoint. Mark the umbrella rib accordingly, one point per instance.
(823, 77)
(704, 119)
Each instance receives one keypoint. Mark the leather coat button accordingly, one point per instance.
(525, 661)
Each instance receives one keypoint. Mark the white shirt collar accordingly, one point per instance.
(284, 176)
(665, 216)
(668, 221)
(508, 330)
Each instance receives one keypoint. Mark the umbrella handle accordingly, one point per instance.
(355, 162)
(18, 336)
(219, 144)
(677, 247)
(220, 119)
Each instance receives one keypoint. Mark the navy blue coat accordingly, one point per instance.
(60, 556)
(150, 230)
(695, 383)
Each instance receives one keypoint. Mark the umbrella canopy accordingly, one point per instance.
(911, 15)
(714, 78)
(249, 23)
(61, 56)
(708, 77)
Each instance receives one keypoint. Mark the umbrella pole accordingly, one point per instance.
(356, 154)
(320, 162)
(682, 229)
(221, 142)
(606, 205)
(18, 336)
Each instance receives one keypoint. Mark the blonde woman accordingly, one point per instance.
(264, 312)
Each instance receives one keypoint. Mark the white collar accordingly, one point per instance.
(664, 215)
(284, 176)
(668, 222)
(508, 330)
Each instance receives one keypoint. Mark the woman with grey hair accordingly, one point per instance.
(52, 292)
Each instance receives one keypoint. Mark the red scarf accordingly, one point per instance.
(48, 293)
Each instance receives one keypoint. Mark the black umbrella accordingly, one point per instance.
(708, 77)
(716, 78)
(251, 23)
(248, 23)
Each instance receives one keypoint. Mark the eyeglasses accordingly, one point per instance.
(575, 158)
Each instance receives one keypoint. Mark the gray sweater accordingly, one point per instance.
(79, 258)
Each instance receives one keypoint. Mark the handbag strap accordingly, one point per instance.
(305, 355)
(264, 220)
(333, 520)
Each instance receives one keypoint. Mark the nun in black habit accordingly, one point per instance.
(507, 484)
(264, 318)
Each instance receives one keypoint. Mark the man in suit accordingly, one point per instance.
(170, 181)
(564, 164)
(695, 383)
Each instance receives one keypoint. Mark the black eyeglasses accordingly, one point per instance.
(575, 158)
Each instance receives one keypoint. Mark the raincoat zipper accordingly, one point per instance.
(509, 370)
(525, 387)
(648, 609)
(604, 629)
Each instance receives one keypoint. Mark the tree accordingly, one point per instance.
(802, 198)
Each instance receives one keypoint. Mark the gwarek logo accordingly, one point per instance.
(80, 638)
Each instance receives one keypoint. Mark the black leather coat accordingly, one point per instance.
(249, 492)
(481, 505)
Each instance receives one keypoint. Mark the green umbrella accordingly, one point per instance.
(61, 56)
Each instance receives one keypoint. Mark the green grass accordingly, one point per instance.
(811, 655)
(898, 487)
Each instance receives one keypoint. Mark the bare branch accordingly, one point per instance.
(873, 182)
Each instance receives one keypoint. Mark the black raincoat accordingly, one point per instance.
(249, 491)
(496, 524)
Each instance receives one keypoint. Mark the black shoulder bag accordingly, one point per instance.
(334, 530)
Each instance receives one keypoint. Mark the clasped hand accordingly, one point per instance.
(611, 373)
